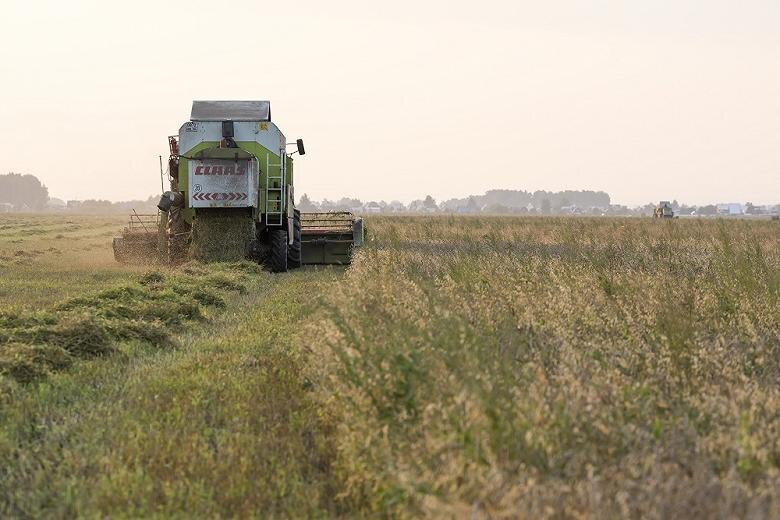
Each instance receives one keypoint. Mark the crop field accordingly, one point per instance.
(478, 367)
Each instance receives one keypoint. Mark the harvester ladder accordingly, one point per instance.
(274, 191)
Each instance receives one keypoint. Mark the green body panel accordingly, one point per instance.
(264, 157)
(329, 238)
(289, 167)
(338, 252)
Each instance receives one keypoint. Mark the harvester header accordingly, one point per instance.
(231, 196)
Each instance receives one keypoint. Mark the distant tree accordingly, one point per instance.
(430, 203)
(508, 198)
(562, 202)
(346, 204)
(752, 209)
(545, 206)
(496, 208)
(515, 199)
(417, 206)
(23, 191)
(710, 209)
(396, 206)
(306, 205)
(93, 206)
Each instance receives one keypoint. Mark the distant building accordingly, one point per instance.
(730, 208)
(372, 207)
(6, 207)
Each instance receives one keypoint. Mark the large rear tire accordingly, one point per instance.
(294, 250)
(277, 257)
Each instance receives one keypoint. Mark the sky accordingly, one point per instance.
(647, 100)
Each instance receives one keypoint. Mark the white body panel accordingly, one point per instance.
(223, 183)
(192, 133)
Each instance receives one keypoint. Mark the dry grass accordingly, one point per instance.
(220, 237)
(32, 345)
(503, 367)
(45, 259)
(461, 367)
(219, 426)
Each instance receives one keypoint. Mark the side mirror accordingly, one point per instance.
(301, 149)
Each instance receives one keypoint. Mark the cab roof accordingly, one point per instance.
(231, 111)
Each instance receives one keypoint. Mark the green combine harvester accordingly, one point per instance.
(231, 197)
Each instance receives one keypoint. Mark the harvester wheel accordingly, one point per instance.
(277, 257)
(294, 250)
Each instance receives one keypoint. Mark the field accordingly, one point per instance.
(461, 367)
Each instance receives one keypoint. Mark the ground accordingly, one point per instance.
(462, 366)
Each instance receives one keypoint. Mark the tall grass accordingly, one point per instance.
(460, 367)
(538, 367)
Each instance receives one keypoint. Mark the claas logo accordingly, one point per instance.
(219, 169)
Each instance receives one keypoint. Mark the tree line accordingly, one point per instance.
(23, 192)
(493, 201)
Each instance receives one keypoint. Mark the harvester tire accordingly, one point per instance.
(277, 257)
(294, 250)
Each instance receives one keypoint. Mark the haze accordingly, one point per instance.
(646, 100)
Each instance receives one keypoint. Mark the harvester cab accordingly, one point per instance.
(231, 196)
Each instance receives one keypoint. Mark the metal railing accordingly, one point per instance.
(143, 222)
(330, 222)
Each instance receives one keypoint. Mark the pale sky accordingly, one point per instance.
(647, 100)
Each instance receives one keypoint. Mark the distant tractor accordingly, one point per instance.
(664, 210)
(231, 197)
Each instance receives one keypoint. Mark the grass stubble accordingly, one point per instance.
(484, 367)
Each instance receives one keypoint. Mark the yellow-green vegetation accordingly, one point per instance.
(536, 367)
(221, 237)
(45, 259)
(461, 367)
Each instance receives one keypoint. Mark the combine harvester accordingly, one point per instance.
(231, 197)
(664, 210)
